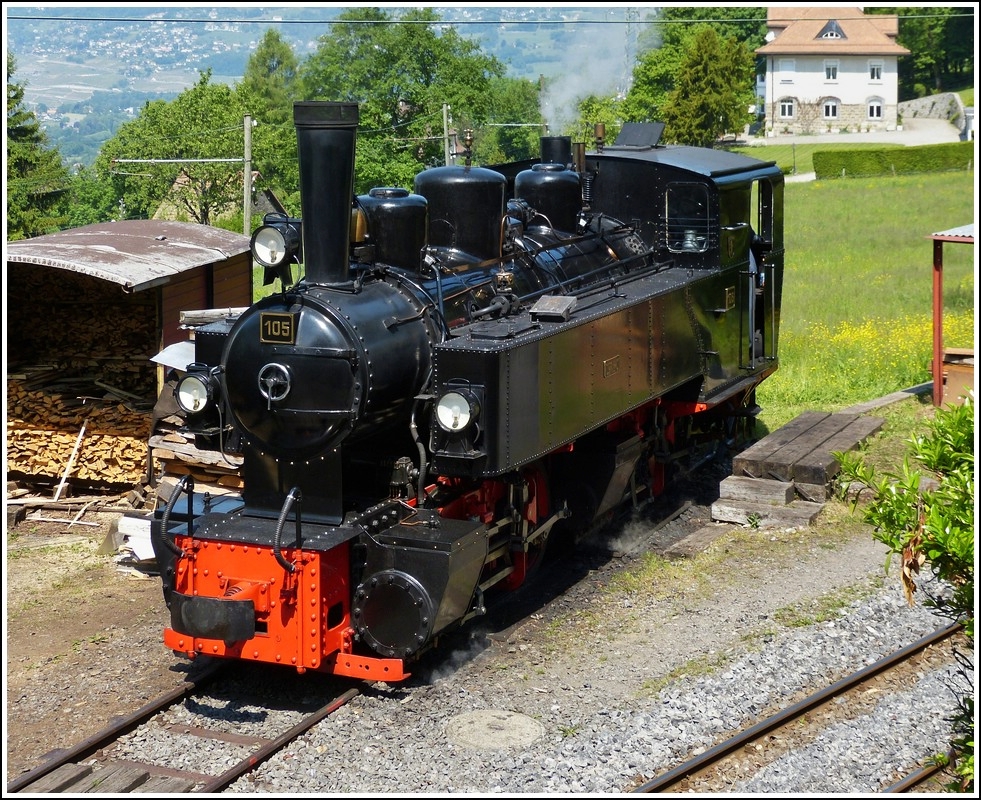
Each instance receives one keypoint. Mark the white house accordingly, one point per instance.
(830, 69)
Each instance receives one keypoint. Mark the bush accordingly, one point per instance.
(931, 521)
(887, 161)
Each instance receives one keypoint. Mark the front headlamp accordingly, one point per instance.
(194, 392)
(275, 244)
(455, 411)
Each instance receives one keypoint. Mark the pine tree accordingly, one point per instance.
(36, 178)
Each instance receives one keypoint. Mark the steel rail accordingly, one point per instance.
(661, 782)
(116, 729)
(919, 776)
(254, 759)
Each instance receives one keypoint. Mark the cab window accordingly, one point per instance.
(687, 215)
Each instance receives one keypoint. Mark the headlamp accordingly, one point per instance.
(194, 392)
(275, 244)
(455, 411)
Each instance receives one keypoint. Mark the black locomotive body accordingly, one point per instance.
(500, 357)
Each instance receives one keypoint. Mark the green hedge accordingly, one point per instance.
(894, 160)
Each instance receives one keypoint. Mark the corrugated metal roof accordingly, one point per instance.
(965, 233)
(136, 254)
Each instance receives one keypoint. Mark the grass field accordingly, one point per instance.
(857, 317)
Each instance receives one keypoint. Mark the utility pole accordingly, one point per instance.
(446, 134)
(246, 170)
(247, 177)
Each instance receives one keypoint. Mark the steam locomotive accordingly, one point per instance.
(494, 362)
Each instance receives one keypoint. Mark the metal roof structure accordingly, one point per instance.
(964, 234)
(136, 254)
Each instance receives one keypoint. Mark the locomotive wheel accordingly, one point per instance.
(526, 563)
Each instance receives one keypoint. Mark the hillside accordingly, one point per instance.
(87, 71)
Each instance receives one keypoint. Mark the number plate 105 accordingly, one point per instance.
(277, 328)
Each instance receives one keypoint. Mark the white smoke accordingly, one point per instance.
(600, 64)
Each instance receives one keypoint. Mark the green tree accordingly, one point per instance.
(36, 177)
(653, 80)
(713, 91)
(591, 110)
(675, 25)
(91, 198)
(269, 88)
(270, 77)
(665, 45)
(402, 71)
(186, 151)
(941, 44)
(515, 126)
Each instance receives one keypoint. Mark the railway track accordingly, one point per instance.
(105, 764)
(702, 772)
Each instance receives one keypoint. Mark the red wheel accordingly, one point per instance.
(535, 512)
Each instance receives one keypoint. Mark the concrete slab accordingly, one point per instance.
(493, 729)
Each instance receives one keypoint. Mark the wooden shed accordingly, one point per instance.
(86, 311)
(952, 368)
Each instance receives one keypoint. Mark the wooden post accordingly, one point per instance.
(71, 458)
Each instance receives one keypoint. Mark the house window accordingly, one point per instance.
(832, 30)
(875, 109)
(786, 70)
(831, 70)
(787, 108)
(875, 71)
(831, 109)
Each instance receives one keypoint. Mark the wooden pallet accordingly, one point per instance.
(111, 779)
(784, 479)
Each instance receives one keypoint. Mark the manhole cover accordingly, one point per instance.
(493, 730)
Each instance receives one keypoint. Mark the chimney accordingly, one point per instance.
(325, 135)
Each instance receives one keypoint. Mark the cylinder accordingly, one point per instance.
(556, 150)
(553, 191)
(397, 222)
(466, 207)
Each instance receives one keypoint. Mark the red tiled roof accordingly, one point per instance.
(797, 31)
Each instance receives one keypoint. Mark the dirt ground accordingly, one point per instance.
(83, 636)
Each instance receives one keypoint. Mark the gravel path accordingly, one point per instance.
(525, 717)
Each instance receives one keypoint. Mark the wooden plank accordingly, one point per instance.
(113, 779)
(760, 490)
(819, 466)
(814, 492)
(749, 461)
(780, 464)
(58, 780)
(695, 542)
(164, 784)
(798, 514)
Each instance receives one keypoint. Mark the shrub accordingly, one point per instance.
(932, 522)
(894, 161)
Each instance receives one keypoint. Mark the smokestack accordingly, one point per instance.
(325, 135)
(556, 150)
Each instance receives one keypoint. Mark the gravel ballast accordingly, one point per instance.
(565, 738)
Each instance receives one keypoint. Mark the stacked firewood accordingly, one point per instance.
(80, 438)
(175, 455)
(80, 382)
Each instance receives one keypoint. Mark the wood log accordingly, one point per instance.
(204, 316)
